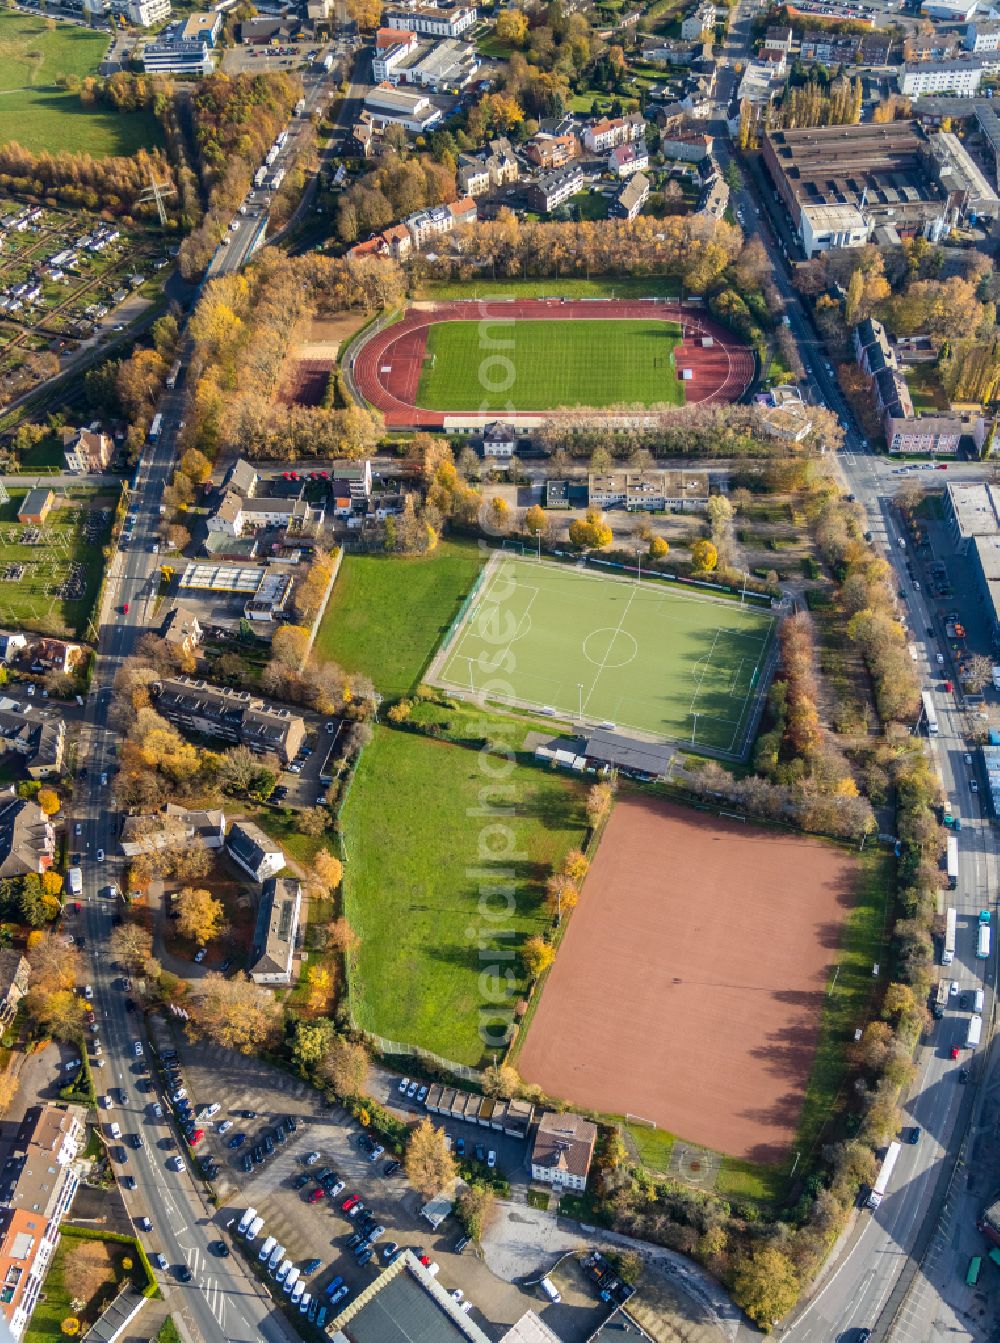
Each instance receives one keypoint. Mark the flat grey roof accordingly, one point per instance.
(403, 1312)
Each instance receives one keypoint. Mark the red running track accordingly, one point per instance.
(387, 367)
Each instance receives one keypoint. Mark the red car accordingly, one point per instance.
(125, 609)
(196, 1137)
(77, 906)
(954, 1051)
(349, 1203)
(315, 1195)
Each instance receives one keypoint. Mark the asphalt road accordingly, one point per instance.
(857, 1287)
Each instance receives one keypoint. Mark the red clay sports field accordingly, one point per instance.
(387, 367)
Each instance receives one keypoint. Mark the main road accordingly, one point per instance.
(221, 1303)
(860, 1288)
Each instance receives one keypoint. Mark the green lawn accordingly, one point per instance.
(387, 612)
(54, 1303)
(610, 286)
(539, 365)
(280, 823)
(433, 915)
(588, 205)
(645, 657)
(926, 392)
(39, 115)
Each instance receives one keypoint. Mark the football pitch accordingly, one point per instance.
(643, 657)
(541, 365)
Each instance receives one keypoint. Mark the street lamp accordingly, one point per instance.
(579, 686)
(638, 555)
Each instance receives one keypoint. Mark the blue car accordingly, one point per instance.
(310, 1267)
(237, 1141)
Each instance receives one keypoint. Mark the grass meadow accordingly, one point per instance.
(412, 889)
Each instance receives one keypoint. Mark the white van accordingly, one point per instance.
(116, 1130)
(549, 1288)
(254, 1229)
(276, 1257)
(980, 1001)
(246, 1219)
(75, 881)
(291, 1280)
(283, 1271)
(266, 1248)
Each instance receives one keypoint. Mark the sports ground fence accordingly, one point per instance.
(434, 672)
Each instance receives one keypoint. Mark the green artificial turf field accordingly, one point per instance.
(417, 883)
(38, 114)
(541, 365)
(645, 657)
(387, 613)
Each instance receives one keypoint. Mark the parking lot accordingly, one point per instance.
(320, 1229)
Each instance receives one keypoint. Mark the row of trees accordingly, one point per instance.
(680, 247)
(81, 182)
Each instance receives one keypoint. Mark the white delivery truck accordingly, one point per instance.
(884, 1175)
(975, 1032)
(75, 881)
(254, 1229)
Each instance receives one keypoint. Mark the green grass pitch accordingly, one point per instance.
(645, 657)
(38, 114)
(539, 365)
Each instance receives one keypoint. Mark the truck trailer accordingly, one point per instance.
(884, 1175)
(952, 862)
(975, 1033)
(948, 954)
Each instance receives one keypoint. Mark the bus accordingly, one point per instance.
(952, 862)
(930, 715)
(948, 954)
(155, 427)
(975, 1268)
(983, 943)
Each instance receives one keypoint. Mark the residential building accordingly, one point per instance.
(624, 160)
(687, 147)
(396, 107)
(602, 136)
(27, 837)
(57, 655)
(632, 197)
(242, 478)
(700, 20)
(15, 974)
(714, 199)
(36, 507)
(983, 35)
(968, 190)
(273, 949)
(936, 46)
(430, 20)
(41, 741)
(11, 645)
(86, 450)
(257, 853)
(45, 1180)
(875, 49)
(204, 27)
(828, 47)
(550, 190)
(231, 715)
(960, 77)
(493, 167)
(841, 182)
(351, 482)
(551, 151)
(972, 510)
(871, 346)
(145, 13)
(236, 515)
(388, 54)
(174, 827)
(778, 39)
(563, 1150)
(439, 219)
(936, 434)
